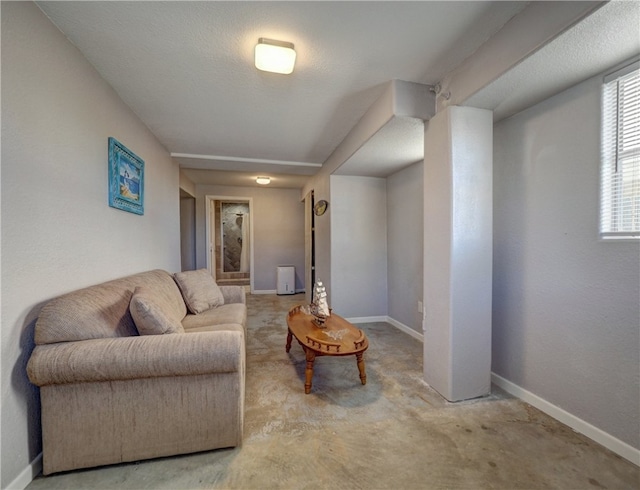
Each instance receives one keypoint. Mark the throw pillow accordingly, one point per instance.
(199, 290)
(149, 315)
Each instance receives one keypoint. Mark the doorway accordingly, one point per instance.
(187, 231)
(310, 245)
(230, 240)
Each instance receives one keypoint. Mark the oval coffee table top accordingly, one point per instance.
(337, 337)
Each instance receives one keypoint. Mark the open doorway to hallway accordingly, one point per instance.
(229, 223)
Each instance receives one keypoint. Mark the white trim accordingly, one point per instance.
(598, 435)
(221, 158)
(367, 319)
(387, 319)
(620, 72)
(27, 475)
(404, 328)
(209, 245)
(275, 291)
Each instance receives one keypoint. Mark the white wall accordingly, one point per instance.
(320, 185)
(399, 98)
(58, 232)
(278, 227)
(187, 187)
(404, 245)
(358, 246)
(458, 252)
(565, 309)
(187, 233)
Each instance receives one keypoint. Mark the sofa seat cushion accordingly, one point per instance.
(221, 327)
(225, 314)
(199, 290)
(126, 358)
(151, 316)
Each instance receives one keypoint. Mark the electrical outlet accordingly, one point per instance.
(419, 306)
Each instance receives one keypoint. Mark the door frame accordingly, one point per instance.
(309, 245)
(208, 199)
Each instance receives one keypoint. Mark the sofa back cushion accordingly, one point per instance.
(102, 311)
(199, 290)
(151, 316)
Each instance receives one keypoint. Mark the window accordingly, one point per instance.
(620, 172)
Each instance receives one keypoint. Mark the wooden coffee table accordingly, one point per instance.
(338, 337)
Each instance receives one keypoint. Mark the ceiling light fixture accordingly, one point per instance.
(275, 56)
(263, 180)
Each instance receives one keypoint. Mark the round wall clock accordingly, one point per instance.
(320, 207)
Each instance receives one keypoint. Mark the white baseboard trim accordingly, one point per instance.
(274, 291)
(27, 475)
(598, 435)
(367, 319)
(387, 319)
(404, 328)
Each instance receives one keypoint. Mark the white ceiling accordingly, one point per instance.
(399, 143)
(609, 36)
(186, 69)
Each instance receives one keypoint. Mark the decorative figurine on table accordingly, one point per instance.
(319, 307)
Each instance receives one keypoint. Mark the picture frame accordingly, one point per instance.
(126, 178)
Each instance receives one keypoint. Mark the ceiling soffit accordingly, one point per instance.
(607, 37)
(390, 135)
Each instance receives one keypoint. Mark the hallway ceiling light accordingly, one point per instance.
(263, 180)
(275, 56)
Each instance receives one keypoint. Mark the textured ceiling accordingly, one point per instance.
(244, 179)
(186, 69)
(399, 143)
(607, 37)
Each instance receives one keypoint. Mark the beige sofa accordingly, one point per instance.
(109, 395)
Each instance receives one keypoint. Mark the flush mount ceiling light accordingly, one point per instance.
(263, 180)
(275, 56)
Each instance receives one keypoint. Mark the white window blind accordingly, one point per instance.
(620, 172)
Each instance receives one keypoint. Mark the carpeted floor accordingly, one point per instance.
(393, 433)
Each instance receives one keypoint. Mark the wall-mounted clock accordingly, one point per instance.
(320, 207)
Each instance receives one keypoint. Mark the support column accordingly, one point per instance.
(458, 252)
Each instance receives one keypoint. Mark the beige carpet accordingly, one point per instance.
(393, 433)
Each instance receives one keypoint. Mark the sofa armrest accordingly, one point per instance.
(233, 294)
(125, 358)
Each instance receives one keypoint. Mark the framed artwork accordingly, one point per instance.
(126, 178)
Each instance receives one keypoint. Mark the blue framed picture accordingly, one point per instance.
(126, 178)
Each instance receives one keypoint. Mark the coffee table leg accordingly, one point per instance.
(288, 340)
(311, 357)
(360, 361)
